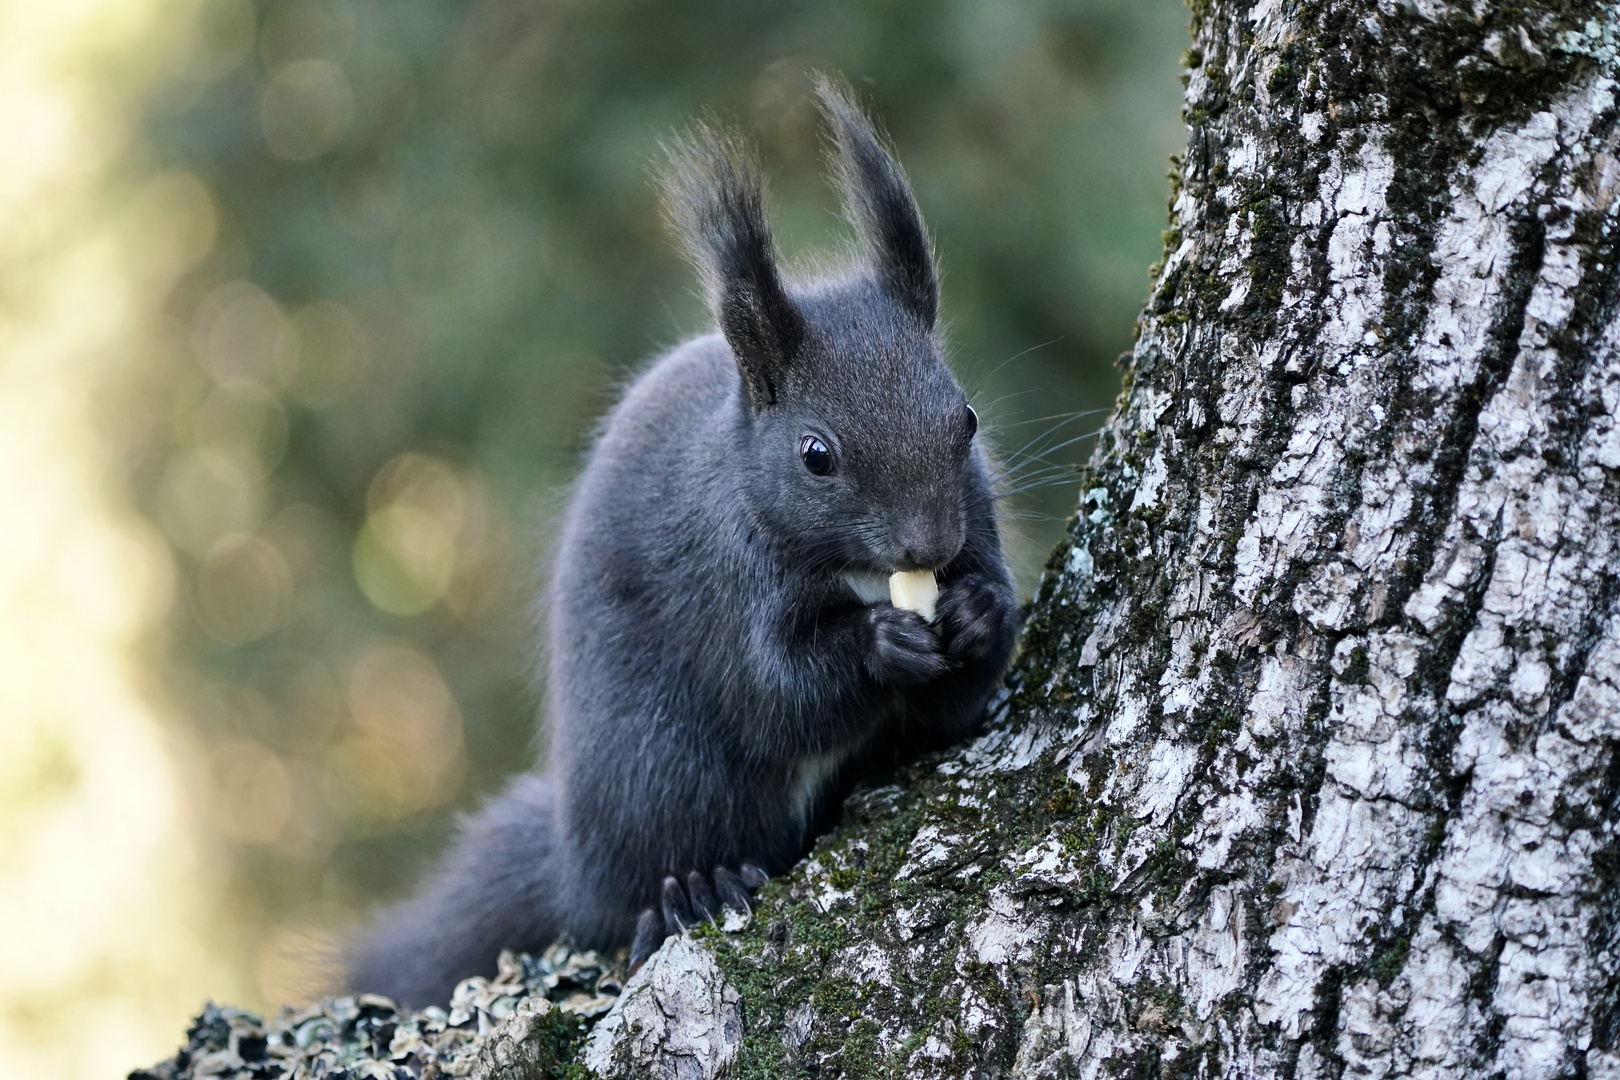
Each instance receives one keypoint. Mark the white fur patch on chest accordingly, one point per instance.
(870, 587)
(811, 775)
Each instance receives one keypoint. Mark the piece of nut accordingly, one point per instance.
(914, 590)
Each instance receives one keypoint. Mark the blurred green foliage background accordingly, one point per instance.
(437, 252)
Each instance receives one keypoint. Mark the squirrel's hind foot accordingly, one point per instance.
(689, 901)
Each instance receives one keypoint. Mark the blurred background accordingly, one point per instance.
(307, 309)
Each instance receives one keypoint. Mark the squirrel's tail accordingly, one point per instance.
(495, 890)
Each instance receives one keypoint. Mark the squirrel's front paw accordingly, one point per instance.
(689, 900)
(973, 618)
(904, 650)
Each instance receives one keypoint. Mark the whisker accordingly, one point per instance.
(1030, 515)
(986, 406)
(980, 380)
(1017, 492)
(1010, 485)
(1026, 449)
(1056, 416)
(1039, 455)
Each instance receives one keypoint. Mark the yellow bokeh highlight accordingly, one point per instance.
(117, 926)
(406, 753)
(405, 555)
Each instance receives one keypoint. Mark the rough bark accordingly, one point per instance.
(1309, 763)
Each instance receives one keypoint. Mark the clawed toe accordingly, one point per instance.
(677, 910)
(704, 903)
(649, 935)
(683, 904)
(731, 890)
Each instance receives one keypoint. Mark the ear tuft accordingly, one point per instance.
(715, 195)
(879, 203)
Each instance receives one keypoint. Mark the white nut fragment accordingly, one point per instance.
(914, 590)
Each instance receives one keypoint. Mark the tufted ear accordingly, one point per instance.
(716, 197)
(879, 204)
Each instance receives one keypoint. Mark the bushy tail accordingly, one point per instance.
(494, 891)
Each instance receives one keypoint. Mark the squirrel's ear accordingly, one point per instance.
(879, 204)
(716, 197)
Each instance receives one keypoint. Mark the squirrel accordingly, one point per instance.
(724, 661)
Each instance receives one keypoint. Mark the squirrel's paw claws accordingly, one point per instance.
(731, 890)
(699, 896)
(677, 911)
(704, 903)
(649, 935)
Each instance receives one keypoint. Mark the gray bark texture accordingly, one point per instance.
(1308, 766)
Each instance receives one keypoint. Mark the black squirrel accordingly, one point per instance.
(724, 658)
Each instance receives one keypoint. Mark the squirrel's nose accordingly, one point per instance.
(927, 545)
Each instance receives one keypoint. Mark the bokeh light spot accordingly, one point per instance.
(333, 354)
(405, 555)
(305, 109)
(175, 215)
(252, 795)
(243, 589)
(244, 422)
(303, 30)
(221, 37)
(406, 751)
(205, 494)
(239, 332)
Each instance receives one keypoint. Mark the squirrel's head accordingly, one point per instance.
(859, 442)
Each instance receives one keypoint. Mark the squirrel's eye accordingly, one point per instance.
(973, 421)
(815, 455)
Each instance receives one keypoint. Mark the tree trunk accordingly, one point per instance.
(1309, 766)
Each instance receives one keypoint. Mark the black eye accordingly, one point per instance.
(815, 455)
(972, 419)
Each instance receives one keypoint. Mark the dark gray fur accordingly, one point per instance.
(715, 684)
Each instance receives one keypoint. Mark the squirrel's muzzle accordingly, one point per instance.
(926, 543)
